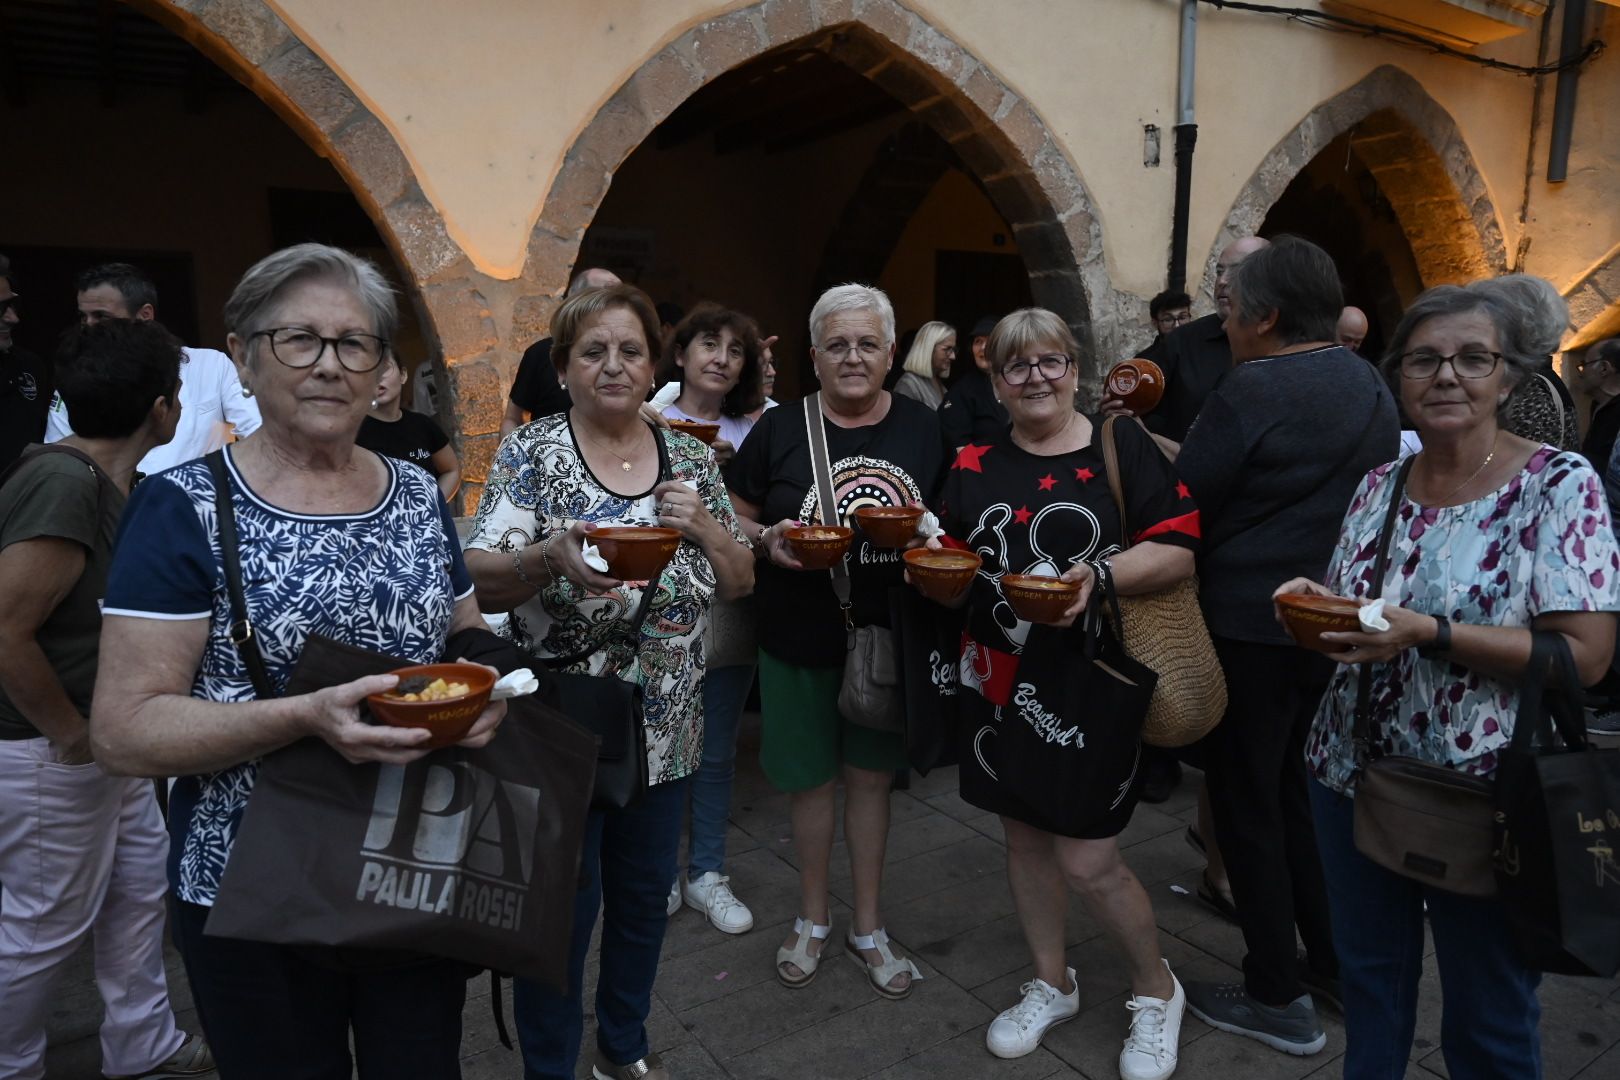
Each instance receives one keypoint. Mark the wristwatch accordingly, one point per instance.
(1442, 640)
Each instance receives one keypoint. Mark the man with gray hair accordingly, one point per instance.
(535, 390)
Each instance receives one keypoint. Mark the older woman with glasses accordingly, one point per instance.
(884, 450)
(1495, 536)
(1037, 500)
(928, 363)
(332, 540)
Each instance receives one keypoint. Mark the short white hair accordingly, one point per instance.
(843, 299)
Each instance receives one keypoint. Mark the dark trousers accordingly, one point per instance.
(1489, 1013)
(279, 1012)
(1255, 767)
(626, 867)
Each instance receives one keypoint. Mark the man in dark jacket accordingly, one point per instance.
(970, 410)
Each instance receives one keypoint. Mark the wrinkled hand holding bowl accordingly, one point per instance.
(1308, 617)
(449, 720)
(1037, 598)
(702, 432)
(889, 526)
(1138, 383)
(635, 552)
(941, 575)
(817, 547)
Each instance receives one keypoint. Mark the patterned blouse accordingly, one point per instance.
(538, 484)
(1542, 542)
(387, 579)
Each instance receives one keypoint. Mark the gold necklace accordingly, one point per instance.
(626, 466)
(1473, 475)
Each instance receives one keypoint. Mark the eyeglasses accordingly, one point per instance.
(297, 347)
(868, 348)
(1053, 367)
(1468, 364)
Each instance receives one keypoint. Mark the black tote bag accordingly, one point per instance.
(928, 644)
(1073, 725)
(467, 854)
(1558, 825)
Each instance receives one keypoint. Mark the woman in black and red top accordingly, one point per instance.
(1037, 500)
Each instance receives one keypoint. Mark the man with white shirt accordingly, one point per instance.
(211, 400)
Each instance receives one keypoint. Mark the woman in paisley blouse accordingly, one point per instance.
(552, 482)
(1496, 535)
(333, 540)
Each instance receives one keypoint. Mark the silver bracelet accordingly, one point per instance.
(545, 560)
(517, 568)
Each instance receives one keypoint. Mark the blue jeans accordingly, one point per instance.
(725, 690)
(625, 866)
(1488, 1026)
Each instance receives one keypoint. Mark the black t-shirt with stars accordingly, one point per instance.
(1025, 513)
(894, 462)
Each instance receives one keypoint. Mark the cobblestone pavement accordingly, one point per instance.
(719, 1011)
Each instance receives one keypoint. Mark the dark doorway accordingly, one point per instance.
(969, 285)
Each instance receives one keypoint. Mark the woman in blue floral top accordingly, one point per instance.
(1495, 535)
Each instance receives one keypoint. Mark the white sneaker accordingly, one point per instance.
(1019, 1030)
(674, 903)
(712, 895)
(1152, 1045)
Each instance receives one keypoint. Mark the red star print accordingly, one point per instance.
(1022, 515)
(1047, 483)
(1084, 475)
(967, 459)
(1181, 490)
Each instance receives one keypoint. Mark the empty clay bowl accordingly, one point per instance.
(889, 526)
(941, 575)
(449, 720)
(1038, 598)
(1138, 383)
(1308, 617)
(699, 430)
(817, 547)
(635, 552)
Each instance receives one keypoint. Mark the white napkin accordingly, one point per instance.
(928, 525)
(1372, 617)
(593, 558)
(516, 684)
(691, 484)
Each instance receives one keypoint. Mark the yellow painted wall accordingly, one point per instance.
(955, 216)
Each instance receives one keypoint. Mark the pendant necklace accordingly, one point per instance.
(626, 466)
(1475, 474)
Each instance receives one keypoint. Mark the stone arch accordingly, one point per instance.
(997, 135)
(1423, 166)
(1594, 301)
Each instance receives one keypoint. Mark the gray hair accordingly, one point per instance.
(582, 281)
(1297, 280)
(844, 299)
(1528, 314)
(1027, 329)
(266, 279)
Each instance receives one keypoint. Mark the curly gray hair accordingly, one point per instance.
(1529, 316)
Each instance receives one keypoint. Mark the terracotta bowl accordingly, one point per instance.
(1308, 617)
(1037, 597)
(448, 720)
(1138, 383)
(942, 575)
(635, 552)
(889, 526)
(702, 432)
(819, 546)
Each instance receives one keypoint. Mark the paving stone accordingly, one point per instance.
(1162, 858)
(950, 912)
(739, 1023)
(955, 864)
(922, 831)
(1148, 822)
(965, 1058)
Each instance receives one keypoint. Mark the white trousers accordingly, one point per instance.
(80, 852)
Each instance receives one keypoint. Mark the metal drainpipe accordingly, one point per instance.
(1186, 139)
(1563, 125)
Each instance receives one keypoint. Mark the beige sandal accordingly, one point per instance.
(800, 955)
(882, 974)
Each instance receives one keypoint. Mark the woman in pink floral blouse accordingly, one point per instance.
(1495, 535)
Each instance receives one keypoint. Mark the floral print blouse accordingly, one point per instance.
(1541, 542)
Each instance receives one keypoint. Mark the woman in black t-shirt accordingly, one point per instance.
(884, 450)
(394, 431)
(1036, 500)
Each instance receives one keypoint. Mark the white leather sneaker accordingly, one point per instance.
(674, 903)
(712, 895)
(1152, 1046)
(1019, 1030)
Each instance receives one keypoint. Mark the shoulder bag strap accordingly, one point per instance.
(647, 594)
(826, 499)
(1363, 728)
(241, 629)
(1116, 483)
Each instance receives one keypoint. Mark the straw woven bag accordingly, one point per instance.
(1165, 630)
